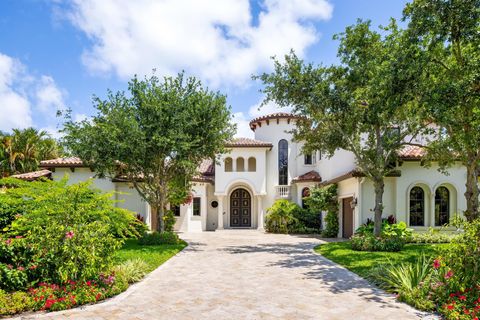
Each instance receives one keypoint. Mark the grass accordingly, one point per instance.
(154, 256)
(361, 262)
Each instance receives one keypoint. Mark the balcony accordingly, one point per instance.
(283, 192)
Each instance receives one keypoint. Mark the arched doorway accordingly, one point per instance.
(240, 209)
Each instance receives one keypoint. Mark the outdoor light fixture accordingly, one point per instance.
(354, 203)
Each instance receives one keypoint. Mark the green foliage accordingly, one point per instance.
(432, 236)
(23, 150)
(407, 280)
(324, 199)
(132, 270)
(281, 216)
(157, 238)
(169, 221)
(363, 262)
(160, 132)
(446, 35)
(61, 232)
(16, 302)
(392, 238)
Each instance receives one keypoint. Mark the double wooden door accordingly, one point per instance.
(240, 209)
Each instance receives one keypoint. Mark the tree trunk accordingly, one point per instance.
(379, 186)
(154, 219)
(472, 191)
(161, 213)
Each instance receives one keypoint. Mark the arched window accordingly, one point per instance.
(442, 206)
(228, 165)
(252, 164)
(240, 164)
(305, 194)
(417, 207)
(283, 162)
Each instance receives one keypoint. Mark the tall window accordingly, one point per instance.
(240, 164)
(442, 206)
(252, 164)
(309, 158)
(283, 162)
(417, 207)
(228, 165)
(175, 210)
(196, 206)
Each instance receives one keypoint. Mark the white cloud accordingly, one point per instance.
(14, 107)
(49, 97)
(258, 110)
(23, 95)
(215, 40)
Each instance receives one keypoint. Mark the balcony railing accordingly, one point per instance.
(283, 192)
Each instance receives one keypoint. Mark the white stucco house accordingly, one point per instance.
(236, 190)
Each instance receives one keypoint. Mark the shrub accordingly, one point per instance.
(65, 232)
(16, 302)
(393, 238)
(280, 216)
(169, 220)
(157, 238)
(324, 199)
(432, 236)
(308, 220)
(408, 280)
(131, 271)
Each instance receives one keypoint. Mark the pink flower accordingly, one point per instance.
(8, 241)
(69, 234)
(449, 274)
(18, 237)
(20, 268)
(436, 263)
(9, 266)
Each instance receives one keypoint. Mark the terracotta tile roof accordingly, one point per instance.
(309, 176)
(411, 153)
(34, 175)
(279, 115)
(247, 143)
(206, 172)
(62, 162)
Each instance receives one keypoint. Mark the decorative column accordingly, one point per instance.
(220, 212)
(261, 219)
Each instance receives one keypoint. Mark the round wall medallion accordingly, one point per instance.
(214, 204)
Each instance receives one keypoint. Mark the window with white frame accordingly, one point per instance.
(196, 206)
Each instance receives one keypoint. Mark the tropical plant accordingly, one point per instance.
(132, 270)
(409, 280)
(155, 138)
(280, 216)
(23, 150)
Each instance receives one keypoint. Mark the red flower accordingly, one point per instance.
(463, 298)
(452, 295)
(98, 296)
(33, 267)
(89, 283)
(449, 274)
(450, 307)
(69, 234)
(436, 263)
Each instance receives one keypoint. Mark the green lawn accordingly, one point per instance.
(361, 262)
(152, 255)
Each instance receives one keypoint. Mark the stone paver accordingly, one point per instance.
(246, 274)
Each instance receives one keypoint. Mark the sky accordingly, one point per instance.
(57, 54)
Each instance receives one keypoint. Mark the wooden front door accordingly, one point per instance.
(240, 209)
(347, 218)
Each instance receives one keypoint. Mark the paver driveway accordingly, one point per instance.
(246, 274)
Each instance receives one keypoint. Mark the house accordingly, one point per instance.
(236, 190)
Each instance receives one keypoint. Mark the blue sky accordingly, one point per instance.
(57, 54)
